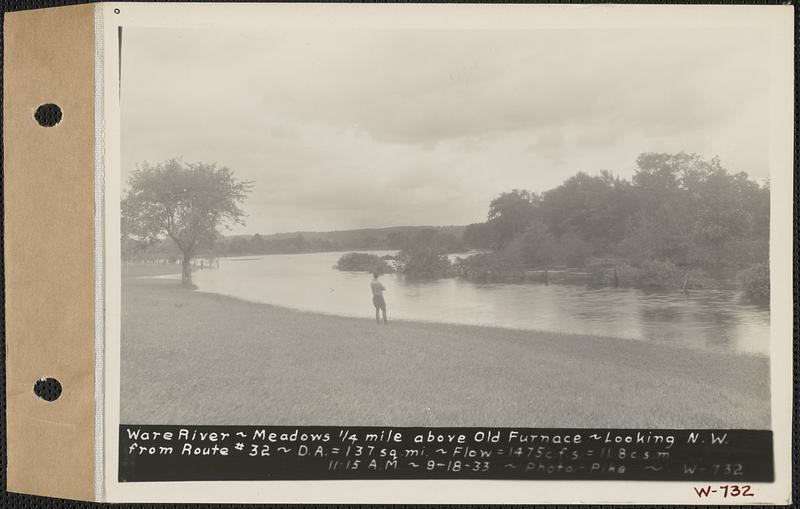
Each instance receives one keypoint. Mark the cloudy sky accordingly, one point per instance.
(354, 129)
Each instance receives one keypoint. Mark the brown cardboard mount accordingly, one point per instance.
(49, 189)
(49, 252)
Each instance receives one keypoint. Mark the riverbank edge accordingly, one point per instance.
(162, 273)
(422, 373)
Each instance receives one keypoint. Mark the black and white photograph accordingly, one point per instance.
(436, 228)
(400, 253)
(448, 235)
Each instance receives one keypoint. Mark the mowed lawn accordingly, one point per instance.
(195, 358)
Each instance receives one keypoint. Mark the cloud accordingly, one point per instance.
(369, 128)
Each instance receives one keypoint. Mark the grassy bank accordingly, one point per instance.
(195, 358)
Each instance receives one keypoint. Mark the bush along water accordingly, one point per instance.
(423, 262)
(754, 282)
(680, 222)
(363, 262)
(651, 274)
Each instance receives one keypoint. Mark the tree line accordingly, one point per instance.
(449, 237)
(680, 221)
(679, 214)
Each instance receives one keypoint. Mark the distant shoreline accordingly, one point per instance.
(250, 363)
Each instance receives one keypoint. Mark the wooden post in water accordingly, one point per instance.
(686, 284)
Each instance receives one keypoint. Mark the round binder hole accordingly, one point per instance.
(49, 389)
(48, 115)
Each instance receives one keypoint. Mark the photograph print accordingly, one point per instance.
(445, 228)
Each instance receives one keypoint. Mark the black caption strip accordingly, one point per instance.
(249, 453)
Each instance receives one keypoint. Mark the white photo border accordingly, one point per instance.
(778, 20)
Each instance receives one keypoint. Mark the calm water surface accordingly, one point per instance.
(707, 319)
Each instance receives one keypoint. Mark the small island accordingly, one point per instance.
(363, 262)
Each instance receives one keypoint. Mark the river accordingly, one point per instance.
(706, 319)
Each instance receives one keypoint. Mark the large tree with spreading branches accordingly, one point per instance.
(186, 202)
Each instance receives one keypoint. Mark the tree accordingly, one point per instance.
(363, 262)
(258, 244)
(693, 212)
(396, 240)
(478, 235)
(679, 213)
(185, 202)
(535, 247)
(510, 213)
(591, 208)
(423, 261)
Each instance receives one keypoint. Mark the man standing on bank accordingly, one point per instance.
(377, 297)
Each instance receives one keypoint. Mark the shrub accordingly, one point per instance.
(423, 262)
(698, 279)
(363, 262)
(662, 275)
(628, 276)
(659, 274)
(490, 267)
(572, 250)
(755, 282)
(601, 273)
(535, 247)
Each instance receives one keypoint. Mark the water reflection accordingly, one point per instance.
(708, 319)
